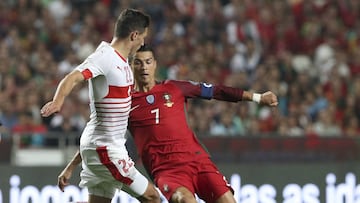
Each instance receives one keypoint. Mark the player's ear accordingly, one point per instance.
(134, 35)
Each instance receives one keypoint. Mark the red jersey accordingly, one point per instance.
(159, 126)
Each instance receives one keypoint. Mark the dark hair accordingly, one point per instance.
(145, 47)
(131, 20)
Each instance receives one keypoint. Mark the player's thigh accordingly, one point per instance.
(183, 195)
(102, 192)
(112, 167)
(211, 184)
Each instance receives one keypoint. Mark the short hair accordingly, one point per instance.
(145, 47)
(131, 20)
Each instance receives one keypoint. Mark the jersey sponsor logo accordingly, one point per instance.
(168, 101)
(150, 99)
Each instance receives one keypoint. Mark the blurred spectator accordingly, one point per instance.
(8, 116)
(352, 126)
(59, 9)
(294, 129)
(228, 124)
(67, 118)
(30, 133)
(247, 57)
(325, 124)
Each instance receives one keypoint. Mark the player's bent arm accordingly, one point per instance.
(64, 88)
(65, 175)
(75, 161)
(67, 84)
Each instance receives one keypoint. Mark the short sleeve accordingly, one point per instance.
(93, 66)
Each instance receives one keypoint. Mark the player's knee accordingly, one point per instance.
(183, 197)
(151, 195)
(227, 197)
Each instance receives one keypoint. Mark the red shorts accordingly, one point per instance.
(201, 177)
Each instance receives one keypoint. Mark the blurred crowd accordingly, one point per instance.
(305, 51)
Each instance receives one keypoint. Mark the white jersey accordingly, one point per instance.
(110, 82)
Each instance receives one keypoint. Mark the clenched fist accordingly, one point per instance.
(269, 98)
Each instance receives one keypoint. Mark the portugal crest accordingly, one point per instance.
(167, 98)
(150, 99)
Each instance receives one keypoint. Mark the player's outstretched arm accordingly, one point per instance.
(65, 175)
(64, 88)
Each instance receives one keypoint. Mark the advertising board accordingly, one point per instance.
(252, 183)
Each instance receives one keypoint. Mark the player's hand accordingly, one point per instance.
(269, 98)
(63, 179)
(50, 108)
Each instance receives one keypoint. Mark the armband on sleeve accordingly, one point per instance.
(207, 90)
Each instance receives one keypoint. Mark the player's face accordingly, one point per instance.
(144, 65)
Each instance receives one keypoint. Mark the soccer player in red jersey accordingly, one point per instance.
(169, 149)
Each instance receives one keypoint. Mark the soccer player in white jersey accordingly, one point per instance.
(106, 165)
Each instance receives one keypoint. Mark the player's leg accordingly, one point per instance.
(114, 169)
(143, 189)
(183, 195)
(96, 177)
(227, 197)
(176, 184)
(211, 185)
(101, 193)
(151, 195)
(213, 188)
(104, 192)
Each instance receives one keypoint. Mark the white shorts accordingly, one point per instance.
(105, 170)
